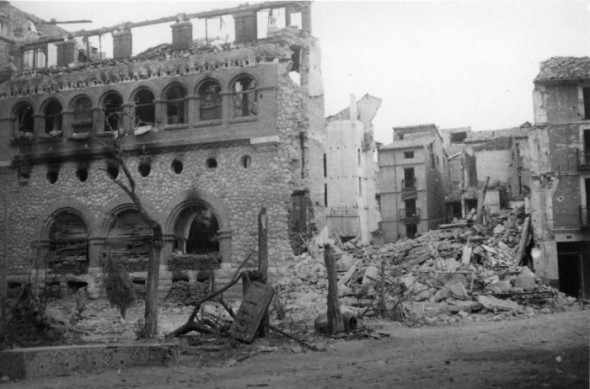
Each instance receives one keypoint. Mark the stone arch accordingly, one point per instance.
(243, 91)
(120, 204)
(66, 205)
(65, 235)
(209, 92)
(181, 212)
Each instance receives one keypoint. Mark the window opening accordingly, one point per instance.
(82, 120)
(408, 154)
(113, 108)
(458, 137)
(245, 97)
(175, 105)
(246, 161)
(177, 166)
(145, 109)
(53, 118)
(586, 93)
(411, 230)
(209, 100)
(25, 121)
(144, 169)
(211, 163)
(409, 178)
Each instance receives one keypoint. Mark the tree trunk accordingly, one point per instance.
(335, 323)
(480, 200)
(150, 328)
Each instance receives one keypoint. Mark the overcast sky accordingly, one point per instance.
(455, 64)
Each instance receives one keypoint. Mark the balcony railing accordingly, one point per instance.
(408, 185)
(584, 218)
(583, 160)
(409, 214)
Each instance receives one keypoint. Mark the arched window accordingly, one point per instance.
(175, 105)
(112, 108)
(53, 114)
(82, 118)
(209, 100)
(244, 97)
(145, 109)
(68, 245)
(24, 119)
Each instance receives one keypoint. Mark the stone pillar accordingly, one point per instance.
(246, 27)
(96, 246)
(122, 43)
(193, 109)
(127, 118)
(160, 113)
(166, 250)
(227, 109)
(39, 126)
(66, 52)
(97, 120)
(225, 246)
(306, 17)
(66, 124)
(182, 35)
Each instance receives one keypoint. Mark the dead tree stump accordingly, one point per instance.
(335, 323)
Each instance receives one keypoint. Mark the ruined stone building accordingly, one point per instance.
(16, 29)
(351, 171)
(211, 133)
(560, 168)
(413, 176)
(502, 155)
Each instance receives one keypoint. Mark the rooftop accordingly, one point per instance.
(408, 144)
(564, 69)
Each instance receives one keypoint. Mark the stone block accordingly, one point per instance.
(65, 360)
(525, 279)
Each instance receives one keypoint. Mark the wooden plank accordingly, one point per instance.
(480, 200)
(263, 262)
(254, 306)
(526, 228)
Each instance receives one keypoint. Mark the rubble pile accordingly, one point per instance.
(460, 271)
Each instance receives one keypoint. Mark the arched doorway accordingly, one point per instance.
(68, 244)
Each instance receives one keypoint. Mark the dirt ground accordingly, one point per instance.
(542, 351)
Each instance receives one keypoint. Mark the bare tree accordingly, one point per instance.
(113, 153)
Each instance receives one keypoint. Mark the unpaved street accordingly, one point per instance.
(545, 351)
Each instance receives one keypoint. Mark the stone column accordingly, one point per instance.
(193, 109)
(96, 245)
(66, 124)
(97, 120)
(39, 126)
(225, 246)
(160, 113)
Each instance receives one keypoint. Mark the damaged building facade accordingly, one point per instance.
(560, 168)
(413, 177)
(211, 133)
(351, 171)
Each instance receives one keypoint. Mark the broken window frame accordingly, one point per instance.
(113, 113)
(149, 106)
(24, 118)
(82, 114)
(53, 118)
(210, 100)
(244, 97)
(175, 101)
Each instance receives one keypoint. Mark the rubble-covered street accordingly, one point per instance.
(542, 351)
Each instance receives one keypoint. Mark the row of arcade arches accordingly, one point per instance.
(192, 226)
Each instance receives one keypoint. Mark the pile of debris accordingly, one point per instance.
(442, 276)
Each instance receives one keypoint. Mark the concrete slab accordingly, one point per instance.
(65, 360)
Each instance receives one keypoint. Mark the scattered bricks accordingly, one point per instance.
(498, 287)
(371, 275)
(65, 360)
(494, 304)
(525, 280)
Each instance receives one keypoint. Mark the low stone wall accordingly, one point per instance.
(65, 360)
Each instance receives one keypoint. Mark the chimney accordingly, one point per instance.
(182, 35)
(66, 52)
(122, 43)
(246, 27)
